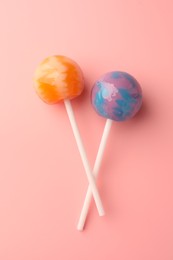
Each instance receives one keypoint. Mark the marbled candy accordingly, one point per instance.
(117, 96)
(58, 78)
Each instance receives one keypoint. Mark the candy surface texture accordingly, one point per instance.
(117, 96)
(58, 78)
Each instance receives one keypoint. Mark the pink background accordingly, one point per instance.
(42, 181)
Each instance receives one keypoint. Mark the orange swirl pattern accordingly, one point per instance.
(58, 78)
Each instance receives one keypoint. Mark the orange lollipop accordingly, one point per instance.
(59, 78)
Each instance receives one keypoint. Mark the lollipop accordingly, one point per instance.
(116, 96)
(59, 78)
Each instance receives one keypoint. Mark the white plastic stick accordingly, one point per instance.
(82, 152)
(97, 164)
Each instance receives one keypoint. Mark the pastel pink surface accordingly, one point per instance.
(39, 209)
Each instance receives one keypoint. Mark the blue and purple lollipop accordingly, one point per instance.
(116, 95)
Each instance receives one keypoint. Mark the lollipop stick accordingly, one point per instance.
(82, 152)
(97, 164)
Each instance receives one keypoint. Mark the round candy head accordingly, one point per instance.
(117, 96)
(58, 78)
